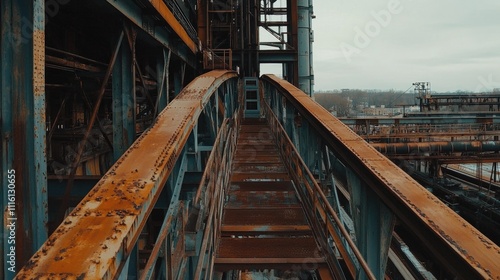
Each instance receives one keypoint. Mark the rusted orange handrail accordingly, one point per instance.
(211, 191)
(96, 239)
(302, 175)
(456, 244)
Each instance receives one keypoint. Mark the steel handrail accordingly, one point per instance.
(454, 243)
(326, 207)
(212, 189)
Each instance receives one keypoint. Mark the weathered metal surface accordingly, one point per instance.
(324, 221)
(277, 248)
(324, 273)
(264, 220)
(75, 165)
(243, 176)
(262, 186)
(261, 201)
(94, 241)
(23, 132)
(169, 17)
(257, 158)
(252, 156)
(38, 185)
(143, 19)
(460, 247)
(124, 101)
(210, 195)
(305, 40)
(57, 61)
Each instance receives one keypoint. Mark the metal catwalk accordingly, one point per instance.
(263, 223)
(107, 187)
(149, 218)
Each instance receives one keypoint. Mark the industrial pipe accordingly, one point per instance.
(441, 147)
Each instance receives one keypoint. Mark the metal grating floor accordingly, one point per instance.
(263, 224)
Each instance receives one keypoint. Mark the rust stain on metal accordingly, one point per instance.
(103, 225)
(39, 62)
(169, 17)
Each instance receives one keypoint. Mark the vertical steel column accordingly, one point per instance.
(306, 78)
(373, 224)
(295, 137)
(133, 262)
(292, 71)
(329, 176)
(288, 123)
(249, 37)
(123, 101)
(163, 85)
(23, 130)
(229, 101)
(178, 80)
(193, 151)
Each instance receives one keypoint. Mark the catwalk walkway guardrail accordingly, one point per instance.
(379, 191)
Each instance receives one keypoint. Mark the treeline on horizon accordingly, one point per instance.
(337, 99)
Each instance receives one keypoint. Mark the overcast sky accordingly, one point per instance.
(389, 44)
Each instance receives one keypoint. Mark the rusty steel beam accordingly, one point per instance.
(320, 213)
(457, 245)
(169, 17)
(94, 241)
(210, 194)
(142, 18)
(71, 64)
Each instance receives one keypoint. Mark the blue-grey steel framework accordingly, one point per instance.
(114, 213)
(334, 240)
(23, 136)
(123, 92)
(185, 251)
(22, 87)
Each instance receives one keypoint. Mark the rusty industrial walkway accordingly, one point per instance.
(263, 223)
(207, 192)
(134, 146)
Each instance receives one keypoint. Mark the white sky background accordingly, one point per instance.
(455, 45)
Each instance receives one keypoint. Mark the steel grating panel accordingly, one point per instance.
(268, 248)
(286, 216)
(263, 224)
